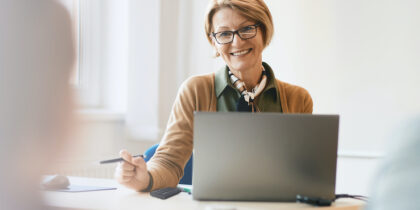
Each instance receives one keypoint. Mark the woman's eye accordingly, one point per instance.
(224, 34)
(247, 28)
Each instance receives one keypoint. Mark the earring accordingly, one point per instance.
(215, 54)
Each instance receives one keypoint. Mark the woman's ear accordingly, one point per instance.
(213, 44)
(216, 52)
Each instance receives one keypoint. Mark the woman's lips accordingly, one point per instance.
(242, 52)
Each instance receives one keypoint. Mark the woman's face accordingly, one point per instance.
(240, 55)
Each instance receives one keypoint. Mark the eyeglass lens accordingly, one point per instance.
(246, 32)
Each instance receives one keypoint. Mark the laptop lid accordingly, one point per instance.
(264, 156)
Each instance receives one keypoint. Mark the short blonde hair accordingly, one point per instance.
(255, 10)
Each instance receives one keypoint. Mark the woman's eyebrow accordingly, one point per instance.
(219, 27)
(245, 23)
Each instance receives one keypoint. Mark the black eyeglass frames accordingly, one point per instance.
(247, 32)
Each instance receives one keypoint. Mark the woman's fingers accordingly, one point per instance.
(139, 162)
(128, 173)
(132, 172)
(118, 174)
(127, 166)
(124, 154)
(126, 169)
(124, 172)
(126, 178)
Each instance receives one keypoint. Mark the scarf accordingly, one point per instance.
(246, 101)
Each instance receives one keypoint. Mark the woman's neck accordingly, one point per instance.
(250, 77)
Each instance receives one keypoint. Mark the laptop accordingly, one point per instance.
(264, 156)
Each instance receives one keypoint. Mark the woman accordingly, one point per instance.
(239, 30)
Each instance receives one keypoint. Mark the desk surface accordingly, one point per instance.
(126, 199)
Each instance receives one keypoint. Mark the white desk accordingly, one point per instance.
(126, 199)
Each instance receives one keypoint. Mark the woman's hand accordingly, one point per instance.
(132, 172)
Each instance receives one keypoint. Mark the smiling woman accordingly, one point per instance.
(239, 30)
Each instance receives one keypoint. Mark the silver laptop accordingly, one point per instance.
(264, 156)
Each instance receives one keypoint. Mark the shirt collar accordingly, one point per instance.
(222, 80)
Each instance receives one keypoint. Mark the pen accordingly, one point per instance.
(117, 159)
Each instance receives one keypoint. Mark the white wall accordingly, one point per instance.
(357, 59)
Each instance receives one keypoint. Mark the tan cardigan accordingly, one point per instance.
(198, 94)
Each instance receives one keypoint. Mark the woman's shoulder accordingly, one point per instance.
(296, 99)
(198, 91)
(291, 89)
(199, 81)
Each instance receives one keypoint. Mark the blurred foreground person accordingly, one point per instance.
(398, 184)
(36, 58)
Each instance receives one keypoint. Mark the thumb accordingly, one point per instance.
(139, 161)
(124, 154)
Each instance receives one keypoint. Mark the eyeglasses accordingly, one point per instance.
(247, 32)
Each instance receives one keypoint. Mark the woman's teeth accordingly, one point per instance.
(241, 52)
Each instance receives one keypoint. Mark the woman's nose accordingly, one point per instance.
(237, 40)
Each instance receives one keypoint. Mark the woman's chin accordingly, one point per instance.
(242, 67)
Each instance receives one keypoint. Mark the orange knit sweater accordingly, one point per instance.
(198, 94)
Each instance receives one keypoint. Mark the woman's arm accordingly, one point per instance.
(175, 149)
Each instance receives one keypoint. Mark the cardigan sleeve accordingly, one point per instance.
(167, 164)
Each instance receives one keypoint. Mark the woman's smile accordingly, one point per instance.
(241, 52)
